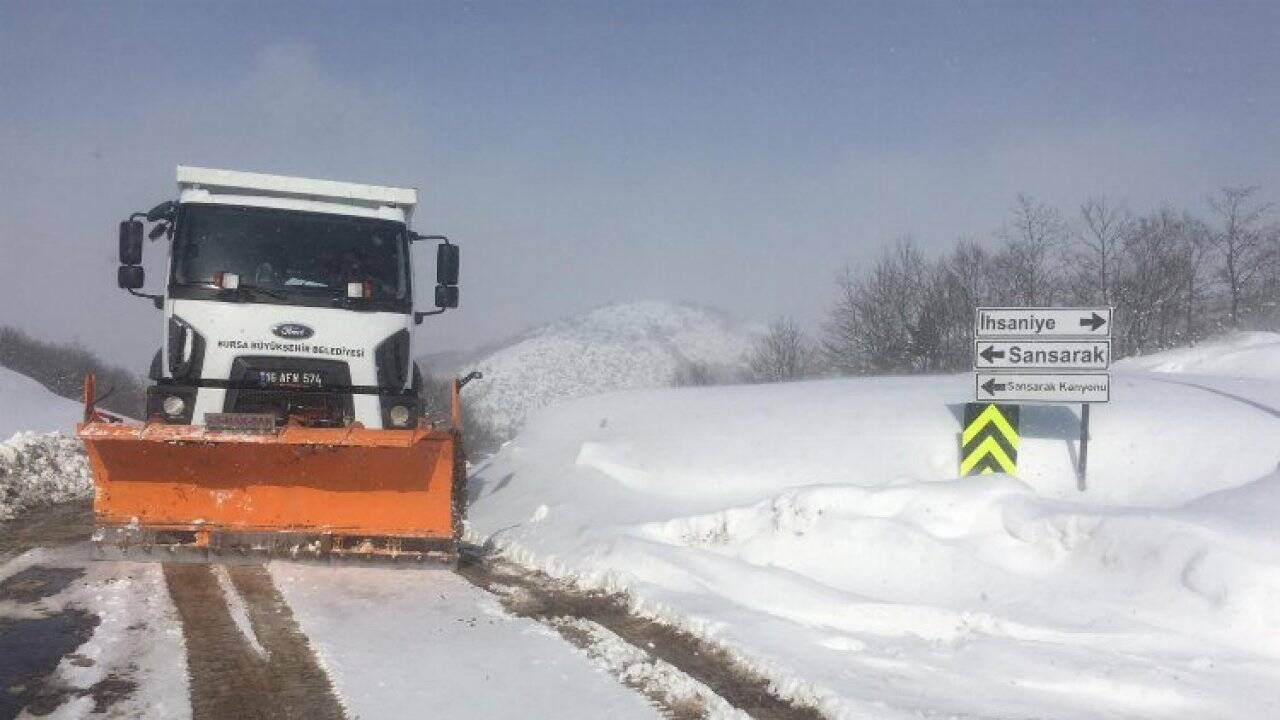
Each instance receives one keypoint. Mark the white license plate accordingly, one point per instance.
(295, 378)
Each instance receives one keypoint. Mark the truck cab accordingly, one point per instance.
(285, 298)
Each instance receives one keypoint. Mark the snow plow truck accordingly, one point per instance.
(283, 412)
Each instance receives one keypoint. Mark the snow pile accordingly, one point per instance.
(38, 467)
(819, 531)
(634, 345)
(27, 405)
(41, 469)
(1241, 354)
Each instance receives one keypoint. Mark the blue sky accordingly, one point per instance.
(734, 154)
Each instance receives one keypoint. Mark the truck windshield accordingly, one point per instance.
(292, 256)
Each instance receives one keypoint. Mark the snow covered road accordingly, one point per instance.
(85, 638)
(414, 643)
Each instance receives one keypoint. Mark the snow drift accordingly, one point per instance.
(819, 530)
(1241, 354)
(26, 405)
(38, 468)
(617, 347)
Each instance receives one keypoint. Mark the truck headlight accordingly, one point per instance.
(399, 415)
(174, 406)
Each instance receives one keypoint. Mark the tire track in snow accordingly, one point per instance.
(1223, 393)
(572, 612)
(229, 677)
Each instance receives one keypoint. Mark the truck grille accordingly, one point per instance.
(314, 409)
(325, 406)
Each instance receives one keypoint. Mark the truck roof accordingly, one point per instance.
(236, 182)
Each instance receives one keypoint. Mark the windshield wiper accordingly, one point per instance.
(262, 290)
(237, 289)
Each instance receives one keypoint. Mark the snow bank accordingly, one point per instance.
(38, 469)
(634, 345)
(1241, 354)
(818, 529)
(37, 466)
(27, 405)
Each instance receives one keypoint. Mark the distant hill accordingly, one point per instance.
(624, 346)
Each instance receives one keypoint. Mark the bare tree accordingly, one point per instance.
(691, 373)
(873, 325)
(1241, 239)
(781, 354)
(1172, 278)
(891, 318)
(1031, 236)
(1098, 244)
(842, 341)
(958, 283)
(1157, 277)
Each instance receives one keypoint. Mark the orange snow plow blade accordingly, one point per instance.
(322, 490)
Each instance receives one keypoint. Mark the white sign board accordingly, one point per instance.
(1042, 322)
(1042, 387)
(1041, 354)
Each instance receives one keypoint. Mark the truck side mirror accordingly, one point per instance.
(130, 277)
(447, 265)
(446, 296)
(130, 243)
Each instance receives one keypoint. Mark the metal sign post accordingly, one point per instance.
(1082, 467)
(1044, 355)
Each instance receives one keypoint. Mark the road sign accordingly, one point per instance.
(1041, 354)
(989, 443)
(1042, 322)
(1042, 387)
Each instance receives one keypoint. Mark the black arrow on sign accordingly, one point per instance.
(1093, 323)
(991, 386)
(990, 353)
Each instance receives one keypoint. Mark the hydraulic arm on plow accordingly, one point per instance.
(284, 414)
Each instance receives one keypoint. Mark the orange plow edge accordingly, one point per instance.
(309, 491)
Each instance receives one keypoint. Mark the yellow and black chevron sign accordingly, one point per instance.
(989, 442)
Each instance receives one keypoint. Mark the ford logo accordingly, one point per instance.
(293, 331)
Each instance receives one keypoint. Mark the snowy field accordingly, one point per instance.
(818, 529)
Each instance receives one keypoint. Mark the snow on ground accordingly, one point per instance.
(656, 677)
(1241, 354)
(818, 529)
(26, 405)
(137, 642)
(37, 464)
(406, 643)
(625, 346)
(40, 469)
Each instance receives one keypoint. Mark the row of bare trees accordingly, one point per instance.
(61, 368)
(1174, 278)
